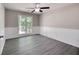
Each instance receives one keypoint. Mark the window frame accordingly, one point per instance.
(19, 18)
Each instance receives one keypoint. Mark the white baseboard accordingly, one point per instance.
(69, 36)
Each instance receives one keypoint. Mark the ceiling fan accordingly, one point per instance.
(38, 8)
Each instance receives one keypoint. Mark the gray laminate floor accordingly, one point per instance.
(37, 45)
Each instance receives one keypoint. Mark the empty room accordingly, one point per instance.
(39, 28)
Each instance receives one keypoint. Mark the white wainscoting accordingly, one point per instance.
(12, 32)
(69, 36)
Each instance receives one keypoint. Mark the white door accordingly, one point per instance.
(2, 39)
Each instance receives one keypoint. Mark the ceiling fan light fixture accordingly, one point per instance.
(37, 10)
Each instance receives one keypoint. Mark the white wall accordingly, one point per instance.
(11, 23)
(2, 41)
(13, 32)
(69, 36)
(62, 24)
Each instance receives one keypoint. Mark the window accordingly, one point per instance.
(25, 24)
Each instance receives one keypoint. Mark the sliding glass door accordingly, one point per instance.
(25, 24)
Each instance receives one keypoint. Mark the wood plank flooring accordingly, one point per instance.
(37, 45)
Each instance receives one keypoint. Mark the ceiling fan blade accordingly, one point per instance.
(29, 8)
(32, 11)
(40, 10)
(44, 7)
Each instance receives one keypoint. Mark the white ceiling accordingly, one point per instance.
(23, 6)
